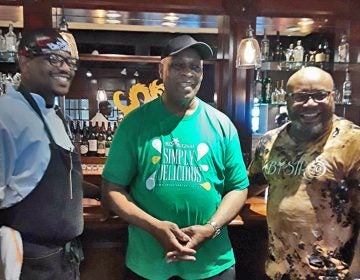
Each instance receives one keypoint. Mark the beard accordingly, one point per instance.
(307, 132)
(310, 131)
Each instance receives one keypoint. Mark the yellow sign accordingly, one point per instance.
(154, 90)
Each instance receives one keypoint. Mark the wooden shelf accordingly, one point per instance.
(119, 58)
(128, 58)
(294, 66)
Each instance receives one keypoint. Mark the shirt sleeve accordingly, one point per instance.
(235, 170)
(7, 161)
(255, 172)
(121, 164)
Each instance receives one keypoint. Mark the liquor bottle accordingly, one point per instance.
(278, 53)
(2, 42)
(84, 145)
(299, 53)
(258, 87)
(327, 51)
(320, 54)
(282, 93)
(347, 88)
(343, 49)
(289, 55)
(275, 94)
(101, 141)
(311, 56)
(92, 141)
(108, 139)
(10, 39)
(266, 89)
(265, 47)
(18, 41)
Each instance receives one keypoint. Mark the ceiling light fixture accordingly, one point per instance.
(123, 72)
(306, 21)
(113, 14)
(168, 23)
(88, 74)
(113, 21)
(171, 17)
(248, 52)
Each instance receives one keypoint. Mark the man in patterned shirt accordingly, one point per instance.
(311, 166)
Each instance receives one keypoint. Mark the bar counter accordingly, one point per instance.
(104, 240)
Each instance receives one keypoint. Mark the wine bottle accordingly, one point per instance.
(114, 128)
(92, 141)
(77, 137)
(84, 146)
(101, 141)
(108, 139)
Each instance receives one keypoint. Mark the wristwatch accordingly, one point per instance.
(215, 227)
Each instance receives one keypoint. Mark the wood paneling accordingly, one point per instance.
(176, 6)
(37, 14)
(301, 8)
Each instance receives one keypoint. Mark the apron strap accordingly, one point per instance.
(65, 122)
(36, 108)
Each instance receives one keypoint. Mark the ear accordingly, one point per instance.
(23, 63)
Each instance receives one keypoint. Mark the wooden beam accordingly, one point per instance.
(303, 8)
(177, 6)
(37, 14)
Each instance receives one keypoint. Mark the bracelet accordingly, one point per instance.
(215, 227)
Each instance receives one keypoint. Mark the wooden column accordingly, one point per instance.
(37, 14)
(237, 83)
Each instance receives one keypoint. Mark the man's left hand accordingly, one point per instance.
(198, 234)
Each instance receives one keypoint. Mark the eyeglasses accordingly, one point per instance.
(58, 61)
(303, 97)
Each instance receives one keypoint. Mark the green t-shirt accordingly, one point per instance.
(178, 169)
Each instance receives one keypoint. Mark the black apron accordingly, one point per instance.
(52, 214)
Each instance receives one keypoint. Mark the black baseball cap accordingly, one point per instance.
(180, 43)
(41, 41)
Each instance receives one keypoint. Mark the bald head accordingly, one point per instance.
(308, 78)
(310, 103)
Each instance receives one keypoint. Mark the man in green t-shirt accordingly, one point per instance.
(175, 173)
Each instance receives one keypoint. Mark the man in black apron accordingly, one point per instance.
(41, 195)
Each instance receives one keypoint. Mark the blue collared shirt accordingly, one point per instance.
(24, 145)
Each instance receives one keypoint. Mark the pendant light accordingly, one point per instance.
(248, 52)
(68, 37)
(101, 95)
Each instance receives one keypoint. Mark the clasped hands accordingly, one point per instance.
(180, 243)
